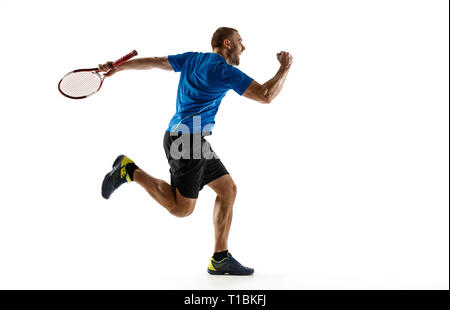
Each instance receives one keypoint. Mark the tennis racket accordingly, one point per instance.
(83, 83)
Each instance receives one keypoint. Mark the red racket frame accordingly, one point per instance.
(116, 63)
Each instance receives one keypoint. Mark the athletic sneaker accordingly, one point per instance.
(116, 177)
(228, 266)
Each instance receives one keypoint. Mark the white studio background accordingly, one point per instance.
(342, 180)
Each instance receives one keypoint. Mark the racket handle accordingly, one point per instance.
(122, 59)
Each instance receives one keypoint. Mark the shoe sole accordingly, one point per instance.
(104, 187)
(222, 273)
(106, 178)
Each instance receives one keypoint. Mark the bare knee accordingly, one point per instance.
(229, 191)
(182, 206)
(224, 187)
(181, 210)
(184, 212)
(234, 189)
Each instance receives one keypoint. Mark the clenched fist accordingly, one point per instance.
(285, 59)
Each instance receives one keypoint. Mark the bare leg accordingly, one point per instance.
(223, 210)
(162, 192)
(223, 214)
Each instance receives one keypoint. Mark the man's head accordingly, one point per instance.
(228, 43)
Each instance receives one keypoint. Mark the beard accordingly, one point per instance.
(234, 58)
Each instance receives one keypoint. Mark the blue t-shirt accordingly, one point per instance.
(205, 79)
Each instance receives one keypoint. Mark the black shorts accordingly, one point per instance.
(193, 163)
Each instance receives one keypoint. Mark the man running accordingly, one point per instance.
(205, 79)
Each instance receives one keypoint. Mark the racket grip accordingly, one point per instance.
(122, 59)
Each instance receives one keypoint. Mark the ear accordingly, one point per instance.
(227, 43)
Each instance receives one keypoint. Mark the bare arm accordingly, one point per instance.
(268, 91)
(138, 64)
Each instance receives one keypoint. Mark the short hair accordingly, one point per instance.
(221, 34)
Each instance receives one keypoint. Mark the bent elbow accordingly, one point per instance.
(266, 97)
(266, 100)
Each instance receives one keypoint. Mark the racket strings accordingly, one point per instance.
(80, 84)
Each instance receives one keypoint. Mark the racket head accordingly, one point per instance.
(82, 83)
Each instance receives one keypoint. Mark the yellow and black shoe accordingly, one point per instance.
(117, 176)
(228, 266)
